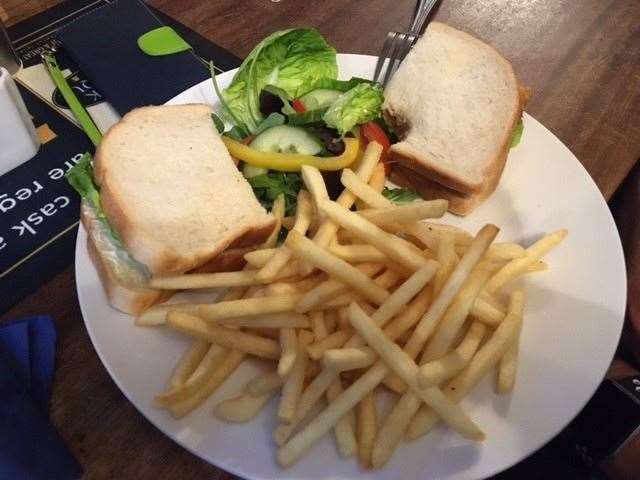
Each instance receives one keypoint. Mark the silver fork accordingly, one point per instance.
(398, 44)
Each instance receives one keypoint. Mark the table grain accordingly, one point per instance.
(581, 58)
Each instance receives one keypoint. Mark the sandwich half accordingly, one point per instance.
(168, 199)
(454, 104)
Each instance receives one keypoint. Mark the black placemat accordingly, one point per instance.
(38, 209)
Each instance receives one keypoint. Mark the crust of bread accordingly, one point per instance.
(459, 203)
(428, 167)
(159, 259)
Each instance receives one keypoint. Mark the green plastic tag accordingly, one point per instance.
(162, 41)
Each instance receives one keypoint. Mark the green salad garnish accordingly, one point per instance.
(354, 107)
(269, 185)
(291, 60)
(400, 195)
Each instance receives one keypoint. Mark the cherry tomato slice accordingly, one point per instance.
(298, 106)
(372, 132)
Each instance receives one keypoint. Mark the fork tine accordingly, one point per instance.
(384, 53)
(398, 46)
(410, 41)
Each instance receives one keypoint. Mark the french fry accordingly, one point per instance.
(486, 312)
(409, 213)
(264, 383)
(309, 251)
(289, 349)
(330, 288)
(519, 266)
(537, 267)
(358, 253)
(292, 287)
(277, 210)
(367, 421)
(344, 435)
(318, 326)
(268, 320)
(404, 293)
(508, 365)
(375, 374)
(499, 251)
(354, 184)
(327, 230)
(460, 236)
(283, 254)
(314, 182)
(248, 306)
(398, 250)
(343, 318)
(417, 230)
(259, 258)
(448, 327)
(334, 340)
(196, 380)
(378, 371)
(455, 316)
(288, 222)
(192, 281)
(410, 316)
(188, 363)
(403, 365)
(243, 408)
(450, 289)
(222, 371)
(392, 428)
(292, 450)
(226, 337)
(343, 359)
(157, 314)
(438, 371)
(293, 385)
(485, 359)
(448, 259)
(376, 182)
(234, 293)
(330, 320)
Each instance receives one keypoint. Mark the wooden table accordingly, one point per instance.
(582, 59)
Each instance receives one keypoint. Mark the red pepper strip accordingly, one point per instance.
(372, 132)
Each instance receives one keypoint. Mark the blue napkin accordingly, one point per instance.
(30, 447)
(104, 45)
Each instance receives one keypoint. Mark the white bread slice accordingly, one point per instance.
(171, 190)
(454, 103)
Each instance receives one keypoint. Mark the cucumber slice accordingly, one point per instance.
(286, 139)
(249, 171)
(319, 98)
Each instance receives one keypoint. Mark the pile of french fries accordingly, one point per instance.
(354, 302)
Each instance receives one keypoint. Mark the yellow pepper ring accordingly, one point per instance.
(292, 162)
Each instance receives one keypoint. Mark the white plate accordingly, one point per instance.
(574, 316)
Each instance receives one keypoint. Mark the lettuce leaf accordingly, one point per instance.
(355, 107)
(269, 185)
(340, 85)
(292, 60)
(80, 177)
(517, 134)
(400, 195)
